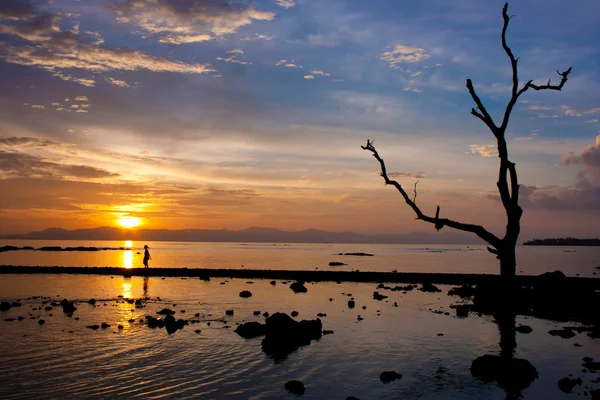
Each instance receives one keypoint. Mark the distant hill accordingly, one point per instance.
(253, 234)
(563, 242)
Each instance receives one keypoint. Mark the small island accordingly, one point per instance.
(569, 241)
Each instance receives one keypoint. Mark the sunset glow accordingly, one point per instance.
(129, 222)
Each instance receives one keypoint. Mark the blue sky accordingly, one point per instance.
(214, 113)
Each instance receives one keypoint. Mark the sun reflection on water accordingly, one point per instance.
(128, 259)
(128, 243)
(127, 289)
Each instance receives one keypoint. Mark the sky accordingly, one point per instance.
(217, 114)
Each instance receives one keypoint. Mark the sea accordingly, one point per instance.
(414, 333)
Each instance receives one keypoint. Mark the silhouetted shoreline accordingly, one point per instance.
(563, 242)
(291, 275)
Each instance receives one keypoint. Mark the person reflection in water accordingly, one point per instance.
(146, 256)
(145, 286)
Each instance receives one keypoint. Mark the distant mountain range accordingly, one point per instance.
(254, 234)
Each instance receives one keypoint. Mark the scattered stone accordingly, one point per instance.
(15, 304)
(524, 329)
(389, 376)
(120, 327)
(464, 291)
(351, 304)
(197, 331)
(104, 325)
(68, 307)
(9, 319)
(563, 333)
(336, 264)
(440, 334)
(364, 307)
(93, 327)
(295, 387)
(327, 332)
(331, 299)
(566, 385)
(359, 318)
(577, 345)
(588, 359)
(165, 311)
(20, 318)
(245, 294)
(251, 330)
(356, 254)
(378, 296)
(273, 283)
(48, 308)
(592, 365)
(283, 335)
(265, 314)
(298, 287)
(294, 313)
(429, 288)
(462, 311)
(321, 315)
(256, 313)
(511, 373)
(41, 322)
(228, 312)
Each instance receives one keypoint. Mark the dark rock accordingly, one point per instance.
(511, 373)
(327, 332)
(595, 394)
(524, 329)
(20, 318)
(5, 306)
(463, 291)
(41, 322)
(359, 318)
(50, 248)
(429, 288)
(120, 326)
(256, 313)
(298, 287)
(321, 315)
(294, 313)
(68, 307)
(592, 365)
(104, 325)
(462, 310)
(265, 314)
(92, 301)
(378, 296)
(171, 324)
(356, 254)
(336, 263)
(251, 330)
(10, 319)
(284, 335)
(566, 385)
(245, 294)
(228, 312)
(165, 311)
(93, 327)
(388, 376)
(273, 282)
(15, 304)
(351, 304)
(588, 359)
(48, 308)
(295, 387)
(197, 331)
(563, 333)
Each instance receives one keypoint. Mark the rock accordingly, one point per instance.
(429, 288)
(298, 287)
(462, 311)
(93, 327)
(245, 294)
(41, 322)
(587, 359)
(265, 314)
(566, 385)
(92, 301)
(171, 324)
(120, 327)
(511, 373)
(388, 376)
(5, 306)
(283, 335)
(336, 263)
(104, 325)
(20, 318)
(295, 387)
(228, 312)
(378, 296)
(68, 307)
(463, 291)
(256, 313)
(15, 304)
(595, 394)
(9, 319)
(165, 311)
(524, 329)
(563, 333)
(327, 332)
(351, 304)
(359, 318)
(197, 331)
(356, 254)
(251, 330)
(48, 308)
(321, 315)
(273, 283)
(294, 313)
(592, 365)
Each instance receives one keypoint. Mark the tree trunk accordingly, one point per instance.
(508, 262)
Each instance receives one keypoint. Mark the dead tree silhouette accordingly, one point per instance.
(503, 248)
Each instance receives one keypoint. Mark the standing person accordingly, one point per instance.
(146, 256)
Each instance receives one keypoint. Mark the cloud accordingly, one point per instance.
(257, 36)
(309, 77)
(188, 21)
(285, 3)
(81, 98)
(404, 54)
(538, 108)
(118, 82)
(232, 57)
(21, 165)
(317, 72)
(54, 50)
(16, 10)
(26, 142)
(484, 150)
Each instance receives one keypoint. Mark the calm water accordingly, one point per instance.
(407, 258)
(63, 359)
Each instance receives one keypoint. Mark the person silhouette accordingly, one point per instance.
(146, 256)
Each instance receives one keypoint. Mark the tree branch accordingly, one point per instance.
(438, 222)
(415, 191)
(486, 118)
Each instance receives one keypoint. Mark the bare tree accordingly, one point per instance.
(503, 248)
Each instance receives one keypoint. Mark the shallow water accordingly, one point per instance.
(49, 361)
(531, 260)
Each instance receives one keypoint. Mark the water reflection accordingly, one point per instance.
(127, 288)
(128, 243)
(145, 287)
(128, 259)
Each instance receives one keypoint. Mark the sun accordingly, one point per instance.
(129, 222)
